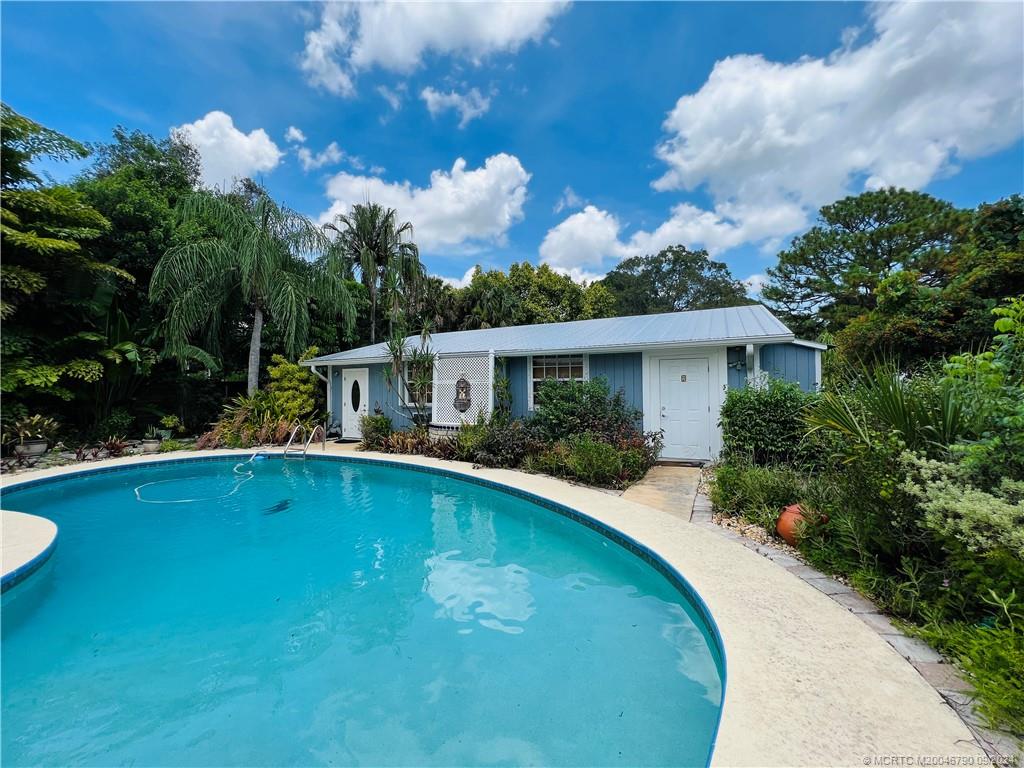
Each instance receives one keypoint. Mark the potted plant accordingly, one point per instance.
(794, 521)
(33, 435)
(151, 442)
(171, 425)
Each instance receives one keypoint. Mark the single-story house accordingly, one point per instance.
(674, 368)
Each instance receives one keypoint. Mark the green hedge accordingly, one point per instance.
(762, 423)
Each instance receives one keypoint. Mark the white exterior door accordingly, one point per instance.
(355, 399)
(685, 405)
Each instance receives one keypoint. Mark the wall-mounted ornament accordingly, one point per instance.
(462, 396)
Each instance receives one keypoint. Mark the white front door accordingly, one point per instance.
(355, 399)
(685, 402)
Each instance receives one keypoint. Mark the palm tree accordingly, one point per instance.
(272, 259)
(372, 241)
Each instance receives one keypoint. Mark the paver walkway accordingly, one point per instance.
(671, 489)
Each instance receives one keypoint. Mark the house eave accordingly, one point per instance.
(575, 349)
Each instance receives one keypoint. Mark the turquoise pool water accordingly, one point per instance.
(325, 612)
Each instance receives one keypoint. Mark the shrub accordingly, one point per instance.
(119, 422)
(506, 444)
(172, 424)
(264, 418)
(167, 446)
(614, 455)
(762, 422)
(114, 446)
(593, 462)
(568, 408)
(992, 655)
(991, 387)
(879, 403)
(376, 428)
(294, 386)
(415, 441)
(758, 493)
(470, 437)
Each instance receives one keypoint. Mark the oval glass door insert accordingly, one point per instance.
(355, 395)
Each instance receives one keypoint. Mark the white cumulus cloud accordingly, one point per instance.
(584, 240)
(393, 96)
(460, 282)
(933, 84)
(461, 208)
(330, 155)
(227, 153)
(469, 105)
(294, 135)
(754, 284)
(568, 201)
(587, 241)
(355, 37)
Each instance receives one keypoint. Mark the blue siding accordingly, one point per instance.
(519, 383)
(737, 361)
(335, 374)
(379, 396)
(387, 400)
(623, 370)
(791, 363)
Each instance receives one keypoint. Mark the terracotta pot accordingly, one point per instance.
(791, 517)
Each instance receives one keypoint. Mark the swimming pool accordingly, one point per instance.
(342, 612)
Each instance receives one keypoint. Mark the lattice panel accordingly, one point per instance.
(478, 371)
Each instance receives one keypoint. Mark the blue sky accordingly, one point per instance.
(573, 134)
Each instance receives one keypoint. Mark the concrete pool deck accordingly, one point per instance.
(28, 541)
(808, 683)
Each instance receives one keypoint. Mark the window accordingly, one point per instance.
(419, 381)
(558, 367)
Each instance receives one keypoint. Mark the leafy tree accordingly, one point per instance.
(135, 182)
(674, 280)
(919, 315)
(433, 305)
(256, 254)
(373, 242)
(529, 295)
(49, 278)
(598, 301)
(831, 274)
(487, 302)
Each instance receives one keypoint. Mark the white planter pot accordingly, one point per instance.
(151, 446)
(31, 448)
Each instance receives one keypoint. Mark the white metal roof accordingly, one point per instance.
(752, 324)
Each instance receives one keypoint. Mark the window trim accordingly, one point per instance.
(529, 373)
(430, 402)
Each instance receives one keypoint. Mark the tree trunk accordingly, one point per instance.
(254, 352)
(373, 316)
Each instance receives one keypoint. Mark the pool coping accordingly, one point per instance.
(846, 698)
(33, 542)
